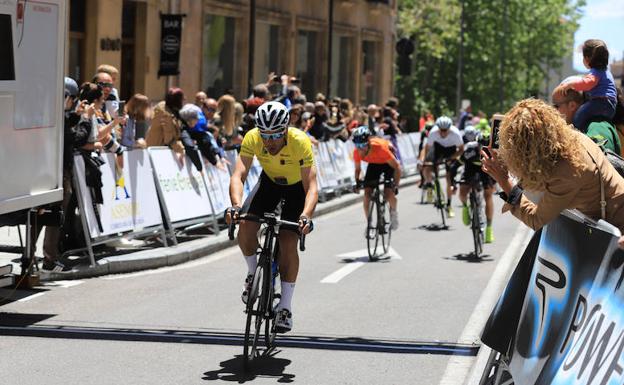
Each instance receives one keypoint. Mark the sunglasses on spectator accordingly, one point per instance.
(210, 109)
(272, 135)
(105, 85)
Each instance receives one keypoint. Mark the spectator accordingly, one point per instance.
(315, 124)
(261, 91)
(166, 126)
(228, 133)
(138, 112)
(296, 119)
(204, 130)
(547, 155)
(200, 98)
(389, 124)
(320, 98)
(598, 84)
(618, 119)
(464, 117)
(111, 102)
(373, 115)
(569, 101)
(114, 74)
(189, 115)
(334, 126)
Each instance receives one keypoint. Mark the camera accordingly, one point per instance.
(496, 121)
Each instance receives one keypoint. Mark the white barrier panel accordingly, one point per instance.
(408, 153)
(252, 177)
(218, 181)
(415, 139)
(343, 162)
(232, 157)
(183, 189)
(130, 202)
(326, 174)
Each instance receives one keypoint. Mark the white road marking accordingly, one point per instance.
(30, 297)
(458, 368)
(342, 272)
(360, 258)
(203, 261)
(64, 284)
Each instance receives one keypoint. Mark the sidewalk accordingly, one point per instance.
(156, 257)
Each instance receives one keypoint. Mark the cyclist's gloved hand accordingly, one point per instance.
(231, 213)
(358, 185)
(305, 224)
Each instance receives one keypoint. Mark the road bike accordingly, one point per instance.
(439, 201)
(260, 308)
(378, 221)
(476, 213)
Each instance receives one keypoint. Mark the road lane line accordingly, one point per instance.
(203, 261)
(342, 272)
(458, 368)
(30, 297)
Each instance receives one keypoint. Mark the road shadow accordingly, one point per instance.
(471, 258)
(433, 227)
(366, 259)
(233, 370)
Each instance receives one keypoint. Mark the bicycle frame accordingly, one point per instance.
(475, 196)
(378, 206)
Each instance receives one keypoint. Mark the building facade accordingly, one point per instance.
(290, 36)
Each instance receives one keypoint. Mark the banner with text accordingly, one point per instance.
(571, 327)
(129, 194)
(170, 44)
(183, 189)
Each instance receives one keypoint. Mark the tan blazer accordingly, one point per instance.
(566, 191)
(165, 130)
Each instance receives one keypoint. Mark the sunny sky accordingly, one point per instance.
(602, 19)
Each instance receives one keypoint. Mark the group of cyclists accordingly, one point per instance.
(289, 178)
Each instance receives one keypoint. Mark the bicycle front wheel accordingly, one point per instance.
(440, 200)
(385, 225)
(477, 232)
(255, 317)
(372, 229)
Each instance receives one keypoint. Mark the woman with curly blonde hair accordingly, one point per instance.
(549, 156)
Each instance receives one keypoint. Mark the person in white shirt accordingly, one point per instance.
(444, 144)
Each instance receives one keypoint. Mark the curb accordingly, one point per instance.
(187, 251)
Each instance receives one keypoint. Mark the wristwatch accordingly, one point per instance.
(514, 197)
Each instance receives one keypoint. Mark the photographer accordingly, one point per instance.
(548, 156)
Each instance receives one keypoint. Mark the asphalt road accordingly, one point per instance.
(396, 321)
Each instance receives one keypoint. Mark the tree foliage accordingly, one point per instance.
(509, 45)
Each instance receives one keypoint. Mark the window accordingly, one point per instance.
(342, 67)
(307, 64)
(218, 55)
(368, 93)
(266, 53)
(7, 61)
(77, 33)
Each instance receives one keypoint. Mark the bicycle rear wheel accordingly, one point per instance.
(385, 225)
(372, 229)
(477, 232)
(255, 316)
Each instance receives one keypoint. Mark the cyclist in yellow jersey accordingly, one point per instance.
(285, 154)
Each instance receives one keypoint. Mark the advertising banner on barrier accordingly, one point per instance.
(183, 189)
(571, 327)
(408, 154)
(342, 161)
(252, 177)
(130, 198)
(326, 173)
(218, 181)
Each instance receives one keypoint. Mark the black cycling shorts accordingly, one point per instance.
(267, 194)
(375, 170)
(473, 171)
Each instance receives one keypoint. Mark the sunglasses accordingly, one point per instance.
(361, 145)
(105, 85)
(210, 109)
(273, 136)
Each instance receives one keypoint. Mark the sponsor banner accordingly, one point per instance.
(231, 156)
(326, 173)
(252, 177)
(571, 326)
(342, 161)
(350, 149)
(218, 181)
(170, 43)
(130, 200)
(183, 189)
(414, 137)
(408, 154)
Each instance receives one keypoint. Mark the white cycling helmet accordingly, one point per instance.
(444, 122)
(272, 116)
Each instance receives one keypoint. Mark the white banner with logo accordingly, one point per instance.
(183, 189)
(218, 181)
(253, 175)
(128, 191)
(408, 154)
(326, 173)
(339, 152)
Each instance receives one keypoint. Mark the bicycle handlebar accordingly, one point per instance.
(268, 219)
